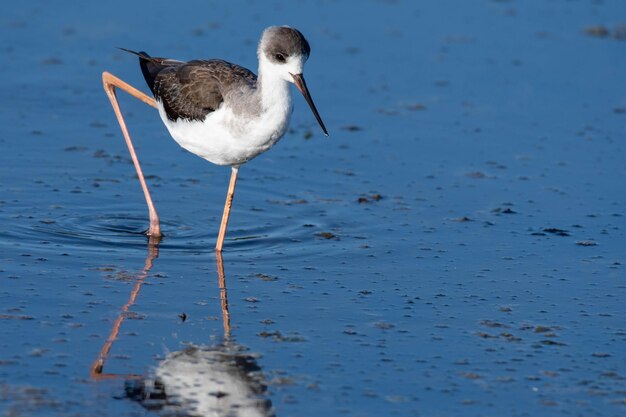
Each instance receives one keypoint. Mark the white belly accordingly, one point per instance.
(226, 139)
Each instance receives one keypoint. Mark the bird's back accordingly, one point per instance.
(191, 90)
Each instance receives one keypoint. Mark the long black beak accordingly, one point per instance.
(299, 81)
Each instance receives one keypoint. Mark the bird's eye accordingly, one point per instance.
(279, 57)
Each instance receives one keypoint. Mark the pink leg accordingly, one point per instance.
(110, 82)
(227, 206)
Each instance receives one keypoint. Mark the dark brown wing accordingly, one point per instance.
(194, 89)
(191, 90)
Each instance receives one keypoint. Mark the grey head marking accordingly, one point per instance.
(279, 43)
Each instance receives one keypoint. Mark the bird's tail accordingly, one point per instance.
(150, 67)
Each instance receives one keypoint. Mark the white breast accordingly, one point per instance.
(226, 138)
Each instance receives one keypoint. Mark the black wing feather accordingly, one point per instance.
(191, 90)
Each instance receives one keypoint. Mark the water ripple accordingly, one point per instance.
(93, 231)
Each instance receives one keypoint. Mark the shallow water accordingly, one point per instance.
(455, 248)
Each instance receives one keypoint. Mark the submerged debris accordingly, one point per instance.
(597, 31)
(462, 219)
(265, 277)
(351, 128)
(476, 175)
(601, 31)
(549, 342)
(51, 61)
(500, 210)
(327, 235)
(586, 243)
(279, 337)
(492, 324)
(369, 198)
(556, 231)
(416, 107)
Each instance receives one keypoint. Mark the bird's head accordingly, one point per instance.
(282, 53)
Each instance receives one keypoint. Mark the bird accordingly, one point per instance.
(218, 110)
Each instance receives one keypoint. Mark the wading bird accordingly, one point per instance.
(220, 111)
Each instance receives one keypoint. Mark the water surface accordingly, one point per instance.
(454, 248)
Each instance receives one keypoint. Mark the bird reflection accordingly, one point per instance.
(220, 380)
(202, 381)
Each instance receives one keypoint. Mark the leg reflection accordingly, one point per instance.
(96, 370)
(221, 276)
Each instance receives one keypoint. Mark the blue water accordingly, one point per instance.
(486, 280)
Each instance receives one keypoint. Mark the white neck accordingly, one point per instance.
(273, 87)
